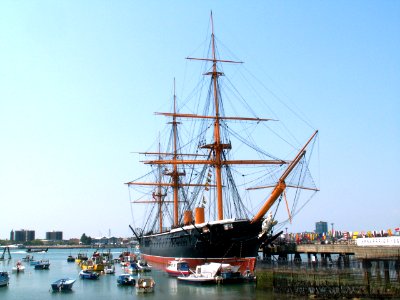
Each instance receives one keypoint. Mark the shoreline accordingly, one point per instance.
(76, 247)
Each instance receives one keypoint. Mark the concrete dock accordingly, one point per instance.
(359, 252)
(345, 252)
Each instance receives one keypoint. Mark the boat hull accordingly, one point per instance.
(88, 275)
(42, 266)
(4, 279)
(229, 241)
(177, 273)
(126, 280)
(62, 285)
(194, 280)
(18, 269)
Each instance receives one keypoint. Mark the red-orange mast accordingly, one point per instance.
(281, 186)
(175, 174)
(175, 177)
(217, 147)
(217, 138)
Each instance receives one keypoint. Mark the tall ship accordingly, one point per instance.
(201, 204)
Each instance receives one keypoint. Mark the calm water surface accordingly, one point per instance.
(35, 284)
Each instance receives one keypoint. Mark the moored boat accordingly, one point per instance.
(28, 258)
(88, 274)
(70, 258)
(81, 258)
(178, 267)
(213, 219)
(64, 284)
(42, 264)
(143, 266)
(214, 273)
(109, 269)
(145, 284)
(37, 250)
(33, 262)
(4, 278)
(92, 265)
(18, 268)
(126, 279)
(132, 268)
(126, 258)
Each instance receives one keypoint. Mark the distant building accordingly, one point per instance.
(54, 235)
(22, 236)
(321, 227)
(74, 241)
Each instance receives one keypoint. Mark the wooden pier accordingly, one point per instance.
(333, 271)
(359, 252)
(326, 251)
(5, 249)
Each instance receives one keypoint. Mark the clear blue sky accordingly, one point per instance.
(80, 80)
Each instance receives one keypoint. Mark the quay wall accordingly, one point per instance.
(359, 252)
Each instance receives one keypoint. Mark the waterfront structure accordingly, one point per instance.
(54, 235)
(21, 236)
(321, 227)
(107, 241)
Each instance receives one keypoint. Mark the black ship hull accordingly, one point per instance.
(229, 241)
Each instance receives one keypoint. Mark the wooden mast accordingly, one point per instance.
(175, 177)
(158, 196)
(175, 173)
(281, 185)
(217, 148)
(217, 138)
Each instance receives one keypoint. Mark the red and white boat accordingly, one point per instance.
(178, 267)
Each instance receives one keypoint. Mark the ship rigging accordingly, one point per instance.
(198, 176)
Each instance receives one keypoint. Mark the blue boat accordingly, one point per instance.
(143, 266)
(88, 274)
(4, 279)
(43, 264)
(64, 284)
(132, 269)
(126, 279)
(33, 262)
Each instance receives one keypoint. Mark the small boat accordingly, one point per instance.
(109, 269)
(127, 257)
(70, 258)
(88, 274)
(19, 267)
(126, 279)
(132, 268)
(108, 257)
(214, 273)
(42, 264)
(37, 249)
(143, 266)
(33, 262)
(177, 268)
(93, 265)
(4, 279)
(81, 258)
(145, 284)
(64, 284)
(28, 258)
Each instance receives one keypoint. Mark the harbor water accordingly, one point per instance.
(35, 284)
